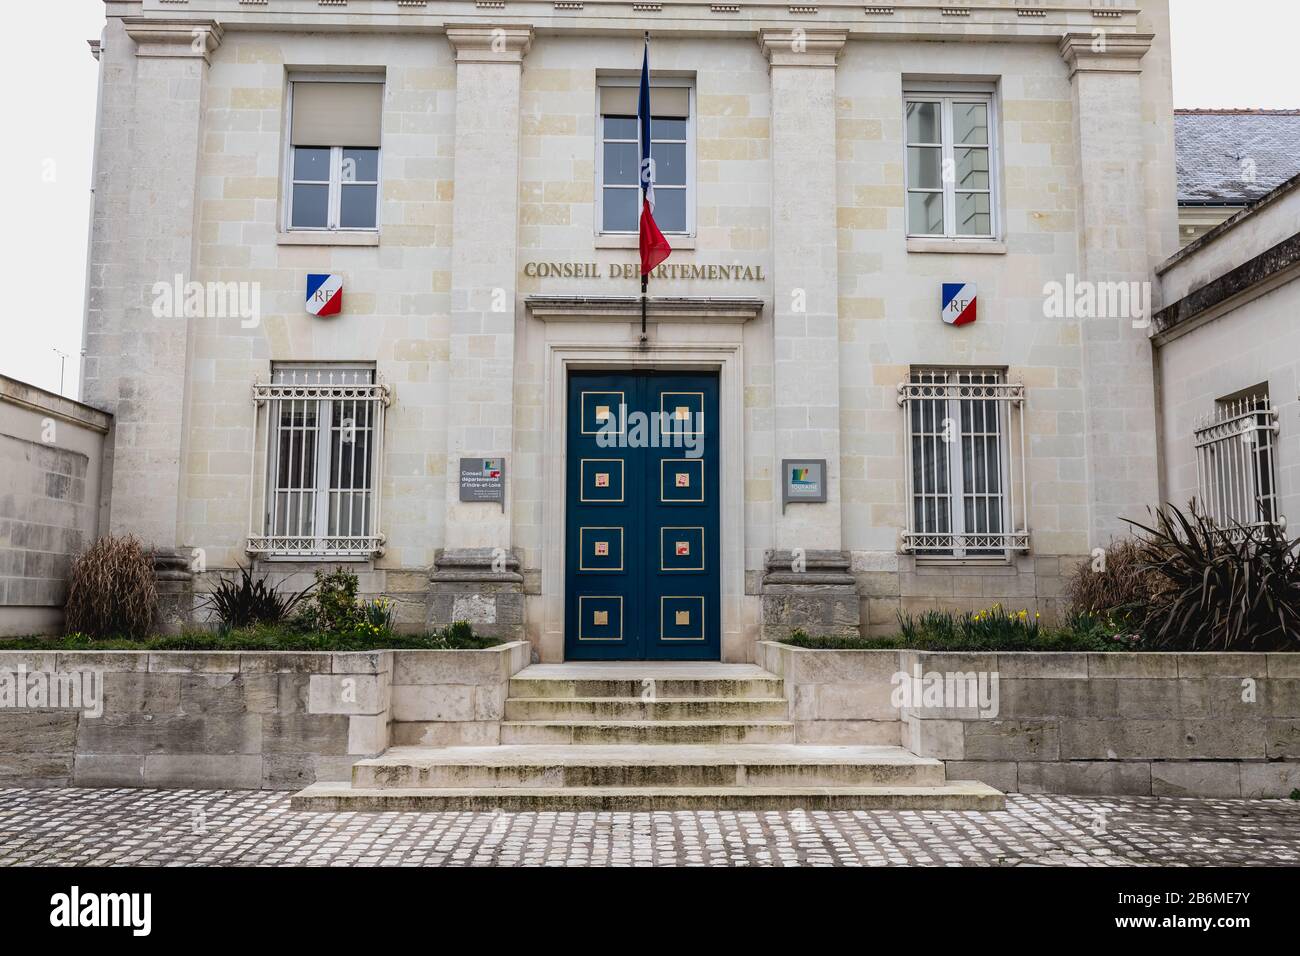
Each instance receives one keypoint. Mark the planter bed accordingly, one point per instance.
(1162, 724)
(241, 719)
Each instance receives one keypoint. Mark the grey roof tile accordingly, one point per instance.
(1235, 157)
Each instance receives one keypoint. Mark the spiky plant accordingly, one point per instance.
(1219, 589)
(250, 601)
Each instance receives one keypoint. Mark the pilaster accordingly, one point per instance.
(805, 319)
(1118, 380)
(485, 220)
(806, 583)
(154, 83)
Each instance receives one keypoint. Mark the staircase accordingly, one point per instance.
(642, 736)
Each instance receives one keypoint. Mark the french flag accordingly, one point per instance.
(654, 247)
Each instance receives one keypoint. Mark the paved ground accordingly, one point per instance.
(232, 828)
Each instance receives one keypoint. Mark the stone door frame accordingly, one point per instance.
(723, 357)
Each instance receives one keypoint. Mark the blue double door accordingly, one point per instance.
(642, 551)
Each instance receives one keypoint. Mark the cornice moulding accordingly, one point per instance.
(1107, 53)
(490, 43)
(903, 20)
(799, 47)
(180, 39)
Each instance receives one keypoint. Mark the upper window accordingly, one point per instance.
(951, 184)
(618, 159)
(334, 154)
(963, 464)
(1236, 467)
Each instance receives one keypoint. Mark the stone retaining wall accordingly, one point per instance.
(246, 720)
(1219, 725)
(52, 462)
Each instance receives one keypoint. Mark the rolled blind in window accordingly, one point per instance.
(337, 114)
(669, 102)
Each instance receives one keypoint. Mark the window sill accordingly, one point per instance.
(985, 247)
(340, 237)
(620, 241)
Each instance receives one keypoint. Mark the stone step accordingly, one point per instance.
(742, 765)
(647, 732)
(634, 708)
(955, 795)
(747, 688)
(637, 679)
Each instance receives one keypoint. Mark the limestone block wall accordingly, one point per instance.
(888, 326)
(52, 461)
(396, 291)
(241, 720)
(453, 698)
(1218, 725)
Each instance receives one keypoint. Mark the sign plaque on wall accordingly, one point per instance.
(803, 480)
(483, 479)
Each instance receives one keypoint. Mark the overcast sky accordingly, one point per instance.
(1238, 54)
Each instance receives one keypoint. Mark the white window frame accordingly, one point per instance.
(271, 538)
(1235, 447)
(334, 211)
(635, 81)
(947, 95)
(942, 390)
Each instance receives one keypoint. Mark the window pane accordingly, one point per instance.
(666, 129)
(972, 169)
(974, 217)
(670, 163)
(621, 163)
(924, 167)
(357, 207)
(620, 127)
(360, 166)
(621, 209)
(311, 164)
(311, 207)
(923, 123)
(970, 123)
(670, 209)
(925, 214)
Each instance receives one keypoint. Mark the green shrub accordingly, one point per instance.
(111, 590)
(248, 602)
(1216, 589)
(1120, 590)
(992, 630)
(277, 638)
(333, 609)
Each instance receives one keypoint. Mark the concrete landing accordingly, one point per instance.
(642, 670)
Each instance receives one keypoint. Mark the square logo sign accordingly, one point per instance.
(324, 294)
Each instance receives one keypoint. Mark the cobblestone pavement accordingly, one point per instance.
(235, 828)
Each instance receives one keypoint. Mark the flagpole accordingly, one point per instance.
(645, 279)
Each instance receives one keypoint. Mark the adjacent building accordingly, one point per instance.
(1227, 351)
(363, 289)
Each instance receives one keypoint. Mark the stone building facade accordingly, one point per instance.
(825, 171)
